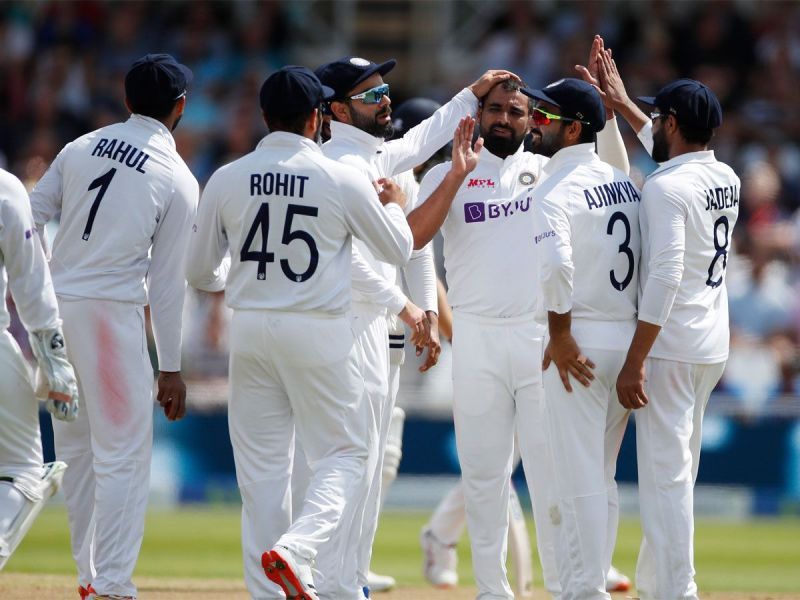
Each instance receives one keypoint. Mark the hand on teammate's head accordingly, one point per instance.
(491, 78)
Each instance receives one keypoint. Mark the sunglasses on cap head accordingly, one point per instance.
(542, 117)
(373, 95)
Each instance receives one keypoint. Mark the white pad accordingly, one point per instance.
(34, 497)
(393, 452)
(394, 445)
(520, 545)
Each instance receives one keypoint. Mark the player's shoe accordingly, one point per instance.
(440, 561)
(617, 581)
(93, 596)
(380, 583)
(85, 591)
(295, 580)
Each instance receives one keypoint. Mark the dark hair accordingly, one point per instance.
(292, 123)
(509, 85)
(588, 135)
(695, 135)
(153, 109)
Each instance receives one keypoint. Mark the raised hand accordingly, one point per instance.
(465, 156)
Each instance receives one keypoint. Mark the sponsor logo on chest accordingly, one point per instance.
(476, 212)
(481, 183)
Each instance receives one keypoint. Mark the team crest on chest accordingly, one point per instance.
(527, 178)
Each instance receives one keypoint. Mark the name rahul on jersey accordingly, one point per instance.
(122, 152)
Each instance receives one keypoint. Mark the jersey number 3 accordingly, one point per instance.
(262, 257)
(101, 182)
(624, 248)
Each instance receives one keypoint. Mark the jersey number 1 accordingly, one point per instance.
(262, 257)
(101, 182)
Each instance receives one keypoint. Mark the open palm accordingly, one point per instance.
(465, 154)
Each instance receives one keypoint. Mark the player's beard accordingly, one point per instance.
(371, 126)
(660, 152)
(547, 144)
(500, 146)
(177, 120)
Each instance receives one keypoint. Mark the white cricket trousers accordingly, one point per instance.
(108, 447)
(293, 373)
(585, 429)
(338, 573)
(20, 439)
(497, 391)
(668, 435)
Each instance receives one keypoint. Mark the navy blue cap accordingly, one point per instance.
(155, 81)
(346, 73)
(411, 113)
(292, 90)
(691, 102)
(576, 99)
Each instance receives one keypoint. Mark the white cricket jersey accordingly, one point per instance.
(127, 201)
(586, 232)
(377, 158)
(22, 261)
(287, 214)
(489, 252)
(689, 208)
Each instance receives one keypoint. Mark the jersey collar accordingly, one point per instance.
(366, 142)
(285, 138)
(153, 125)
(579, 153)
(702, 156)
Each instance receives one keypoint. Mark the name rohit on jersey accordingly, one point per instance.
(122, 152)
(722, 197)
(277, 184)
(611, 193)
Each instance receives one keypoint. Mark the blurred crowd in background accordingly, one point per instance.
(62, 65)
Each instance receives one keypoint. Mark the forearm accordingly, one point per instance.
(611, 147)
(631, 113)
(427, 219)
(560, 325)
(642, 342)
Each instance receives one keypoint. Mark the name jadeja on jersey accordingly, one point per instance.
(720, 198)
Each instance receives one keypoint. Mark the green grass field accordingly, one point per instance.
(758, 555)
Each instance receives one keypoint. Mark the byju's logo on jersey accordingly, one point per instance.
(475, 212)
(480, 183)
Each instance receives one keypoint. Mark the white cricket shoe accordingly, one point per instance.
(380, 583)
(617, 581)
(440, 561)
(295, 579)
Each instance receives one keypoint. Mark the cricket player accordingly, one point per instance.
(688, 211)
(288, 215)
(127, 201)
(25, 483)
(586, 233)
(482, 202)
(361, 121)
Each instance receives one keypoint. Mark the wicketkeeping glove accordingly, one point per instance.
(55, 377)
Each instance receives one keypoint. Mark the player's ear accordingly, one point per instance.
(180, 106)
(340, 111)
